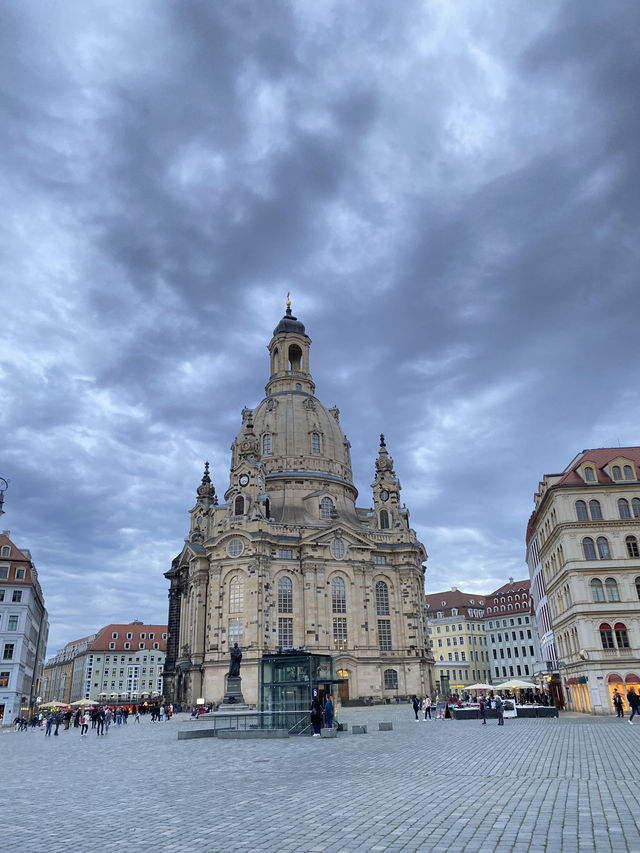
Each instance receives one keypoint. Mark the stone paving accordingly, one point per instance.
(545, 785)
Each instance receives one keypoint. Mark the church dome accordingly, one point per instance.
(289, 323)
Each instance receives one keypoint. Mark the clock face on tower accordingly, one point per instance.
(384, 495)
(244, 479)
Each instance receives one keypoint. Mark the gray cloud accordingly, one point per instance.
(450, 193)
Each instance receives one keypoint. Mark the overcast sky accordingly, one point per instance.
(450, 191)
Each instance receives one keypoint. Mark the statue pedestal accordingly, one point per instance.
(233, 698)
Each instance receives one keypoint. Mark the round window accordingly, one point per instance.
(337, 549)
(235, 547)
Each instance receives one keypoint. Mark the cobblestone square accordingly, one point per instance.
(545, 785)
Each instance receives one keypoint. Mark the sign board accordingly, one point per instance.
(442, 710)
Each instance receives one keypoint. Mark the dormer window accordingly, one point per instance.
(589, 475)
(628, 472)
(6, 550)
(326, 507)
(617, 472)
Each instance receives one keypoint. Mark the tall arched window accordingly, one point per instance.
(638, 587)
(632, 546)
(622, 638)
(285, 595)
(266, 443)
(597, 591)
(617, 473)
(315, 442)
(326, 507)
(612, 590)
(382, 598)
(603, 548)
(606, 636)
(623, 508)
(628, 472)
(384, 519)
(588, 548)
(236, 594)
(589, 475)
(238, 506)
(338, 596)
(596, 512)
(581, 511)
(390, 679)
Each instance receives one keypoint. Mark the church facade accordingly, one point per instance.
(286, 560)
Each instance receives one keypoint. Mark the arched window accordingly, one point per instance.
(6, 550)
(326, 508)
(597, 591)
(617, 473)
(596, 512)
(581, 511)
(628, 472)
(638, 587)
(274, 361)
(622, 638)
(384, 519)
(285, 595)
(603, 548)
(238, 506)
(382, 598)
(338, 596)
(606, 636)
(588, 548)
(295, 357)
(623, 508)
(266, 443)
(315, 442)
(267, 508)
(612, 590)
(236, 594)
(589, 475)
(390, 679)
(632, 546)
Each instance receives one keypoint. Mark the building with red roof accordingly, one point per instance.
(586, 525)
(24, 630)
(122, 662)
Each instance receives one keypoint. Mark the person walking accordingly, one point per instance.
(500, 710)
(328, 713)
(49, 724)
(617, 703)
(483, 711)
(100, 725)
(85, 724)
(416, 706)
(426, 706)
(634, 703)
(58, 723)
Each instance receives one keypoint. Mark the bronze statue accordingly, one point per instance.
(236, 657)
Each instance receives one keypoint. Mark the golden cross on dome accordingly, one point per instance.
(288, 299)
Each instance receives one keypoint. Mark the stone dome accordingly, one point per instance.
(289, 323)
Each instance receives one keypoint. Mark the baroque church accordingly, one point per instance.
(288, 561)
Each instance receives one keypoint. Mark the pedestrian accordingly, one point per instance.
(416, 706)
(76, 719)
(634, 703)
(58, 722)
(100, 726)
(85, 724)
(483, 711)
(137, 717)
(328, 713)
(500, 710)
(316, 716)
(617, 704)
(49, 724)
(426, 706)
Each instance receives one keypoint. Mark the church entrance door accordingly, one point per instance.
(343, 687)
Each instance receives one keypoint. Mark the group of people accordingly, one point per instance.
(633, 700)
(424, 706)
(318, 713)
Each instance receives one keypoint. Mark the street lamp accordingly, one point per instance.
(4, 485)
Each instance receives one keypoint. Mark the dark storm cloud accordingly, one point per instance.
(448, 190)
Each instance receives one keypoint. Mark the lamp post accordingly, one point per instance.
(4, 485)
